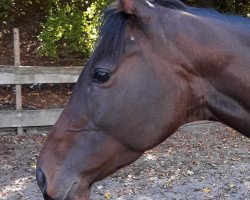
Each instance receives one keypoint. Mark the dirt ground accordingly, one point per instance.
(208, 161)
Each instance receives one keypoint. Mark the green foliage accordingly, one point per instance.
(12, 9)
(5, 8)
(239, 7)
(235, 7)
(71, 28)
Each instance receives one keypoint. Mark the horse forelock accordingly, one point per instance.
(110, 42)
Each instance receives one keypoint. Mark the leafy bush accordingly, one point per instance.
(235, 7)
(239, 7)
(71, 28)
(10, 10)
(5, 8)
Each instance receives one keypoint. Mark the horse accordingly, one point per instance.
(157, 65)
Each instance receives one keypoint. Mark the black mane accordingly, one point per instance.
(110, 42)
(174, 4)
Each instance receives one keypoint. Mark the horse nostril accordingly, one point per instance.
(41, 180)
(47, 197)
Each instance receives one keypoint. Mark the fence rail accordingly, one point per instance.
(28, 118)
(11, 75)
(38, 74)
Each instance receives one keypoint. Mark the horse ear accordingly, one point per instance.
(127, 6)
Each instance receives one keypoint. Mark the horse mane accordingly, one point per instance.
(205, 12)
(173, 4)
(110, 43)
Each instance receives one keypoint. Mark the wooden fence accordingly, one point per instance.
(11, 75)
(18, 75)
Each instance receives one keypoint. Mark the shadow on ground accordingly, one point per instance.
(208, 161)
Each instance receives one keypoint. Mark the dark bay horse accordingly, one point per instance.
(157, 65)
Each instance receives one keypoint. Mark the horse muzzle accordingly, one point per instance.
(77, 191)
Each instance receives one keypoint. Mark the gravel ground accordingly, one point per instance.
(208, 161)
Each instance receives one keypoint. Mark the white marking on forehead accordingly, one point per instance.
(149, 4)
(132, 38)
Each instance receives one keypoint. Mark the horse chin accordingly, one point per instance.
(78, 191)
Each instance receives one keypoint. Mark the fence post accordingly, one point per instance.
(17, 64)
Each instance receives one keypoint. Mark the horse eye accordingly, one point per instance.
(101, 76)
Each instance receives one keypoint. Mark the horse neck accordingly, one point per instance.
(215, 57)
(220, 88)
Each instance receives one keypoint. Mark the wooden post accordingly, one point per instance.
(17, 64)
